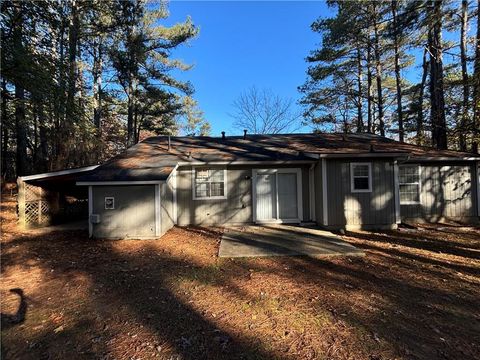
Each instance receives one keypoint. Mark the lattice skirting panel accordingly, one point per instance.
(36, 213)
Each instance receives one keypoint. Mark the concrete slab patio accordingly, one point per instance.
(283, 240)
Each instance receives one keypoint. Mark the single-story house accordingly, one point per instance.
(348, 181)
(335, 180)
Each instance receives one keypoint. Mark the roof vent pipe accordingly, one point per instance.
(223, 135)
(244, 134)
(169, 143)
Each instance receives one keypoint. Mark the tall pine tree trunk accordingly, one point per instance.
(73, 30)
(130, 116)
(20, 121)
(63, 158)
(476, 83)
(369, 87)
(437, 96)
(463, 58)
(43, 136)
(421, 93)
(360, 90)
(97, 86)
(398, 78)
(378, 72)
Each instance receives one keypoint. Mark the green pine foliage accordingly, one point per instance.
(358, 78)
(82, 80)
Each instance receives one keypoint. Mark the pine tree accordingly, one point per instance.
(57, 110)
(437, 96)
(330, 78)
(476, 83)
(193, 119)
(141, 60)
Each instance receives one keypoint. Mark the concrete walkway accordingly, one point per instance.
(283, 240)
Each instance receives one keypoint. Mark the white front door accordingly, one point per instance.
(266, 198)
(277, 195)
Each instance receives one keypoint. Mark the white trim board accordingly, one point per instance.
(311, 189)
(90, 211)
(324, 192)
(112, 183)
(57, 173)
(253, 162)
(172, 172)
(444, 158)
(357, 155)
(158, 210)
(396, 187)
(174, 197)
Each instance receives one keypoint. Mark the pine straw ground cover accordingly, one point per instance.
(415, 295)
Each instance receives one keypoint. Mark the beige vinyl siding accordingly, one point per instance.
(133, 215)
(305, 193)
(236, 208)
(166, 206)
(446, 191)
(360, 208)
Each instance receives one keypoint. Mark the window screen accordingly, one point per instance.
(409, 183)
(209, 183)
(361, 177)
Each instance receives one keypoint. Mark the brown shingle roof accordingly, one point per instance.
(152, 160)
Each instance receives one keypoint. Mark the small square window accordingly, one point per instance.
(109, 203)
(209, 183)
(361, 177)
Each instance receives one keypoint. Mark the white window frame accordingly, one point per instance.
(298, 172)
(419, 184)
(194, 195)
(352, 177)
(105, 202)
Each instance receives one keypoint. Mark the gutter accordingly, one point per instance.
(57, 173)
(353, 155)
(446, 158)
(258, 162)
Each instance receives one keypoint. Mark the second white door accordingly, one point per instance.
(278, 195)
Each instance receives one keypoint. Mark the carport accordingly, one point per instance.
(52, 198)
(283, 240)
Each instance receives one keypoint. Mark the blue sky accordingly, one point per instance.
(254, 43)
(244, 44)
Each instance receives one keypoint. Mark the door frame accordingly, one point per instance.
(275, 171)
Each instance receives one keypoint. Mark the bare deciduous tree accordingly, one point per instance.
(263, 112)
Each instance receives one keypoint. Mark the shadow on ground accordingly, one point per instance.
(173, 298)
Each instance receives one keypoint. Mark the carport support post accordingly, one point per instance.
(21, 202)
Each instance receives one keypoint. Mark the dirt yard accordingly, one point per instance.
(415, 295)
